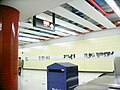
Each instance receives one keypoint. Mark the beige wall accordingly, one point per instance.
(101, 44)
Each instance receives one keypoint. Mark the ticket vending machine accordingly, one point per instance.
(116, 85)
(117, 69)
(62, 76)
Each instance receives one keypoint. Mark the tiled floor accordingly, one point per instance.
(37, 80)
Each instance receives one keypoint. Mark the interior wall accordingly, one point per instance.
(93, 45)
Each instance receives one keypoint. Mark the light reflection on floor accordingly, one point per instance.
(37, 80)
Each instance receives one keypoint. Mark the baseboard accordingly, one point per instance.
(78, 71)
(35, 69)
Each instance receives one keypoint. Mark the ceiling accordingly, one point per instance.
(72, 17)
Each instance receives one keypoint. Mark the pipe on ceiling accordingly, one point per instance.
(99, 8)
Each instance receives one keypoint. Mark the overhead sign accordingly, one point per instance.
(46, 23)
(43, 24)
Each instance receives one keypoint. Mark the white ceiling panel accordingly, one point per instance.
(66, 31)
(71, 16)
(61, 22)
(90, 11)
(60, 33)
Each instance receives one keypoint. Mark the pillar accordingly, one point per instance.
(9, 18)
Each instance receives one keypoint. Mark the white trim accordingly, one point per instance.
(82, 56)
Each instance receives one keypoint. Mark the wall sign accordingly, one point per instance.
(98, 54)
(69, 56)
(44, 57)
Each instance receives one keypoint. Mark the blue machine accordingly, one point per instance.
(62, 76)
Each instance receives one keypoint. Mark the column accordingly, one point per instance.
(9, 18)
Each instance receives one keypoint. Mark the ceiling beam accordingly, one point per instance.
(73, 17)
(91, 12)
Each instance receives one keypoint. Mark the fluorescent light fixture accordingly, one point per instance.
(28, 39)
(114, 6)
(33, 36)
(64, 30)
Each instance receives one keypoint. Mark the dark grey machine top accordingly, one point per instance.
(101, 83)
